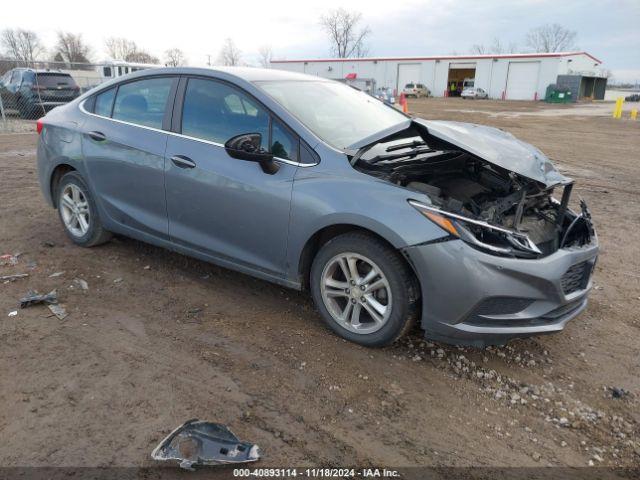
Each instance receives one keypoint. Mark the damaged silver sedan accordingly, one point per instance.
(309, 183)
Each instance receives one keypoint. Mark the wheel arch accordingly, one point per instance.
(56, 175)
(323, 235)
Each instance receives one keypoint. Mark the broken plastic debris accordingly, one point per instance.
(618, 392)
(9, 259)
(56, 274)
(196, 442)
(13, 313)
(58, 311)
(34, 298)
(81, 283)
(11, 278)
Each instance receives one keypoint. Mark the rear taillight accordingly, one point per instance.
(39, 126)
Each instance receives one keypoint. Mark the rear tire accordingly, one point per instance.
(78, 212)
(384, 313)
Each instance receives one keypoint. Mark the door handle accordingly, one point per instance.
(97, 136)
(182, 161)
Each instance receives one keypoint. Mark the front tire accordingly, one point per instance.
(78, 213)
(364, 290)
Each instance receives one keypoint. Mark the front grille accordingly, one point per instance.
(576, 278)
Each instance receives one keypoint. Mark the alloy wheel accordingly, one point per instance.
(74, 208)
(356, 293)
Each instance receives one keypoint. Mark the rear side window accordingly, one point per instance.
(143, 102)
(104, 102)
(216, 112)
(53, 80)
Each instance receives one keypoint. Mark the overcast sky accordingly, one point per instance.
(609, 30)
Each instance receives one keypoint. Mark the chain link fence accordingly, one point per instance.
(29, 90)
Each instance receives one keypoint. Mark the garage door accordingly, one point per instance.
(522, 80)
(408, 73)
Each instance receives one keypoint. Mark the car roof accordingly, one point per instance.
(40, 70)
(249, 74)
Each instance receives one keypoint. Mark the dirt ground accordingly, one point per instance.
(159, 338)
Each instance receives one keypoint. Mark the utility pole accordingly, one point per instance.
(208, 59)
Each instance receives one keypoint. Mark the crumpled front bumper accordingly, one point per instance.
(473, 298)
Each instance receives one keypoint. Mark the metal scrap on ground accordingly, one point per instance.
(34, 298)
(196, 442)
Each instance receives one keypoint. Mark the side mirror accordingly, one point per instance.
(247, 147)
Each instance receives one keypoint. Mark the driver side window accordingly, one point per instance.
(216, 112)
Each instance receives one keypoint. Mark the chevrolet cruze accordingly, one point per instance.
(386, 219)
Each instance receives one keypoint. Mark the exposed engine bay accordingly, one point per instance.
(490, 207)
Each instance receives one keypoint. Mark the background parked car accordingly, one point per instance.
(34, 92)
(633, 98)
(416, 90)
(474, 92)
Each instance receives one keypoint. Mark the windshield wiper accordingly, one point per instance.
(410, 154)
(411, 144)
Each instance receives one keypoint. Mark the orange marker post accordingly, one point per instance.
(403, 102)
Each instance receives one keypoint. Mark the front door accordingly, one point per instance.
(9, 88)
(223, 207)
(124, 147)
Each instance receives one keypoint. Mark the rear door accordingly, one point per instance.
(124, 145)
(220, 206)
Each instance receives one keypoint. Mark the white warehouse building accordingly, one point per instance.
(523, 76)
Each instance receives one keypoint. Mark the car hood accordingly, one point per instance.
(497, 147)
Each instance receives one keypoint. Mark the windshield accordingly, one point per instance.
(338, 114)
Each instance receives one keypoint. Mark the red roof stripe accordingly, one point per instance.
(457, 57)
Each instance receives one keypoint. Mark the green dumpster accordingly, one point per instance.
(557, 95)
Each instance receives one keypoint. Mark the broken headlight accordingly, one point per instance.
(479, 234)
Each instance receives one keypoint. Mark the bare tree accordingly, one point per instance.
(496, 47)
(71, 48)
(230, 55)
(265, 54)
(551, 38)
(346, 39)
(142, 56)
(21, 45)
(174, 57)
(127, 50)
(120, 48)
